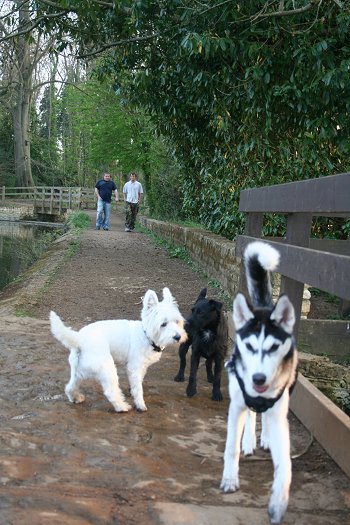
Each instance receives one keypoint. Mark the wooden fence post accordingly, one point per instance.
(60, 201)
(43, 199)
(51, 200)
(79, 198)
(298, 234)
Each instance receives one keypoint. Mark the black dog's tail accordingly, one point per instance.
(260, 259)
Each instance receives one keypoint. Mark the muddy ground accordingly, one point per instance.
(84, 464)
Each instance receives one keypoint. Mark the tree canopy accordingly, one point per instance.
(248, 93)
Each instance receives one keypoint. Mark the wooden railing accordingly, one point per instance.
(50, 199)
(320, 263)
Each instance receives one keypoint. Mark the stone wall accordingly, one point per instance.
(214, 254)
(16, 213)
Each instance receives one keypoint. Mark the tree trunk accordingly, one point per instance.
(21, 112)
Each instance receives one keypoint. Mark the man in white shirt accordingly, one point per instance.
(132, 192)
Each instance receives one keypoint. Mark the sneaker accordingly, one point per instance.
(127, 229)
(106, 229)
(97, 227)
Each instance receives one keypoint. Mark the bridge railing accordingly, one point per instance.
(50, 199)
(322, 263)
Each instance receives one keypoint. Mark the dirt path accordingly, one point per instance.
(83, 464)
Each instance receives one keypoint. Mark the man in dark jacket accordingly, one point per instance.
(103, 191)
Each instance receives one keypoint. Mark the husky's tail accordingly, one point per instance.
(68, 337)
(260, 259)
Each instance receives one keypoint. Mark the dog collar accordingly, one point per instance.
(258, 404)
(155, 347)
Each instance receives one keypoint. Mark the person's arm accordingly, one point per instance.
(97, 193)
(140, 194)
(116, 195)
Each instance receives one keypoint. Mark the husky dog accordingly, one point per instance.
(261, 372)
(207, 332)
(136, 344)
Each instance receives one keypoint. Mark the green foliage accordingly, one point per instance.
(246, 100)
(99, 131)
(23, 312)
(44, 144)
(331, 228)
(96, 132)
(72, 249)
(163, 183)
(244, 97)
(78, 220)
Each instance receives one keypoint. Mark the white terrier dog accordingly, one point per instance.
(136, 344)
(262, 371)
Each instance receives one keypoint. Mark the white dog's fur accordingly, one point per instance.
(262, 369)
(135, 344)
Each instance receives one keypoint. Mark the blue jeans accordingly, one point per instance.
(102, 214)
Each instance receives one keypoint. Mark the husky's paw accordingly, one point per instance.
(277, 509)
(229, 484)
(248, 448)
(248, 443)
(179, 378)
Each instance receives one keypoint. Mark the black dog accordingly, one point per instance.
(207, 333)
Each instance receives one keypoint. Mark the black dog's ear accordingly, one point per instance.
(202, 294)
(216, 305)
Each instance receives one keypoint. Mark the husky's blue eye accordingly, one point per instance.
(163, 325)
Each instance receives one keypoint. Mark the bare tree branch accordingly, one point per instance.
(29, 27)
(290, 12)
(121, 42)
(98, 2)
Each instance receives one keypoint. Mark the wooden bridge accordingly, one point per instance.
(49, 200)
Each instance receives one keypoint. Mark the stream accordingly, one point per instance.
(21, 243)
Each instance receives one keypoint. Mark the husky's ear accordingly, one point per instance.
(150, 300)
(168, 297)
(241, 311)
(283, 314)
